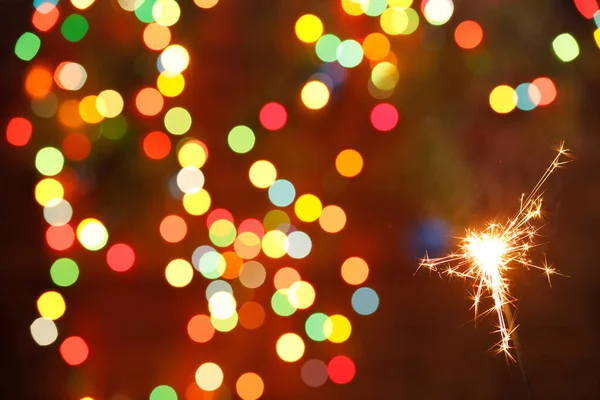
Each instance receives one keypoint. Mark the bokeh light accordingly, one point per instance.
(273, 116)
(308, 208)
(315, 95)
(74, 350)
(120, 257)
(209, 376)
(468, 35)
(249, 386)
(290, 347)
(565, 47)
(341, 369)
(365, 301)
(503, 99)
(349, 163)
(179, 273)
(262, 174)
(44, 331)
(64, 272)
(309, 28)
(92, 234)
(337, 328)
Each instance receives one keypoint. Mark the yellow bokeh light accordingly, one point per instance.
(337, 328)
(385, 76)
(51, 305)
(273, 244)
(197, 203)
(503, 99)
(192, 154)
(290, 347)
(222, 305)
(179, 273)
(166, 12)
(394, 21)
(209, 377)
(206, 3)
(92, 234)
(301, 295)
(352, 7)
(349, 163)
(308, 208)
(82, 4)
(262, 174)
(48, 190)
(399, 4)
(175, 59)
(315, 95)
(170, 85)
(332, 219)
(88, 111)
(109, 103)
(309, 28)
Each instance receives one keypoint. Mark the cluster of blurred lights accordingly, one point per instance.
(527, 96)
(236, 247)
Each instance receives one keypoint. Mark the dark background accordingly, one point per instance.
(451, 162)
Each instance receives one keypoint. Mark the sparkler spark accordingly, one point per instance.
(486, 257)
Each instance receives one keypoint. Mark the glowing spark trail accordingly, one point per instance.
(486, 256)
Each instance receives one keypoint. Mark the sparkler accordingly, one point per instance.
(486, 256)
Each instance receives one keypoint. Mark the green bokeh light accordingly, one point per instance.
(49, 161)
(64, 272)
(241, 139)
(178, 121)
(326, 47)
(315, 327)
(349, 53)
(281, 305)
(74, 27)
(565, 47)
(27, 46)
(163, 392)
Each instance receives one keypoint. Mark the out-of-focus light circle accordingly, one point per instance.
(92, 234)
(365, 301)
(309, 28)
(74, 27)
(193, 153)
(273, 244)
(290, 347)
(157, 145)
(51, 305)
(179, 273)
(74, 350)
(565, 47)
(48, 190)
(438, 12)
(332, 219)
(190, 179)
(178, 120)
(315, 327)
(64, 272)
(49, 161)
(156, 36)
(249, 386)
(44, 332)
(262, 174)
(197, 203)
(166, 12)
(109, 103)
(272, 116)
(61, 237)
(209, 376)
(70, 76)
(298, 245)
(45, 16)
(277, 220)
(376, 46)
(212, 264)
(82, 4)
(282, 193)
(27, 46)
(217, 286)
(547, 90)
(225, 325)
(352, 7)
(341, 370)
(355, 271)
(88, 110)
(175, 59)
(384, 117)
(349, 163)
(280, 303)
(349, 53)
(206, 3)
(222, 233)
(173, 228)
(301, 295)
(285, 277)
(528, 96)
(373, 8)
(241, 139)
(326, 47)
(76, 146)
(247, 245)
(385, 76)
(308, 208)
(315, 95)
(18, 131)
(252, 315)
(252, 274)
(162, 392)
(337, 328)
(394, 21)
(200, 328)
(149, 101)
(468, 35)
(38, 82)
(120, 257)
(503, 99)
(314, 373)
(222, 305)
(58, 212)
